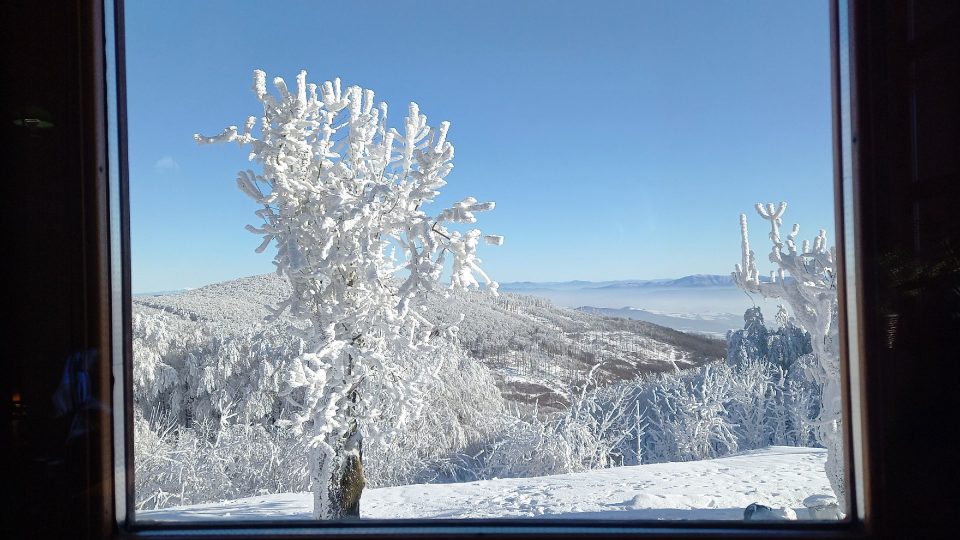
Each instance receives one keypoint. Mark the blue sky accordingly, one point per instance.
(620, 140)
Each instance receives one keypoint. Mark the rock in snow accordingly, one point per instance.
(761, 512)
(822, 506)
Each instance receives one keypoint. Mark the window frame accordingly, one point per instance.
(862, 393)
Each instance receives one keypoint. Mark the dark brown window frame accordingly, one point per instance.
(886, 43)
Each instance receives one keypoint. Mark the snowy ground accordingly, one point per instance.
(778, 476)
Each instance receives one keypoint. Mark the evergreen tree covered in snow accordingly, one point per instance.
(781, 347)
(805, 278)
(784, 353)
(789, 343)
(750, 343)
(343, 197)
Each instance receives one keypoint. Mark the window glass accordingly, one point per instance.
(558, 277)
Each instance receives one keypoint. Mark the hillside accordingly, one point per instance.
(539, 353)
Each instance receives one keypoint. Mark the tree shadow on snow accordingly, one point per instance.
(235, 511)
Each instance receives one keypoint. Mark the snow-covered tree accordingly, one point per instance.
(752, 342)
(781, 347)
(805, 278)
(343, 197)
(788, 343)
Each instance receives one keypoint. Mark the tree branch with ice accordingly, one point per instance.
(805, 278)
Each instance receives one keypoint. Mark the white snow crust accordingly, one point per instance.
(717, 489)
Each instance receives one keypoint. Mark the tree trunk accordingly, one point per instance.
(348, 480)
(339, 480)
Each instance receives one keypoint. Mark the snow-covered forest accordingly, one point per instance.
(525, 389)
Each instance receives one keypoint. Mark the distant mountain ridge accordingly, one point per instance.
(693, 281)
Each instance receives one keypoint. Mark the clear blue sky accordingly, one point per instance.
(620, 140)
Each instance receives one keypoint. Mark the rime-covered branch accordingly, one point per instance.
(806, 279)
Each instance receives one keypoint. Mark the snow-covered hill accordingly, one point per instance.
(716, 489)
(539, 352)
(244, 300)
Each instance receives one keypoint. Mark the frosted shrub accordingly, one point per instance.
(588, 435)
(604, 415)
(461, 410)
(532, 447)
(702, 413)
(696, 414)
(156, 480)
(177, 465)
(686, 416)
(803, 403)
